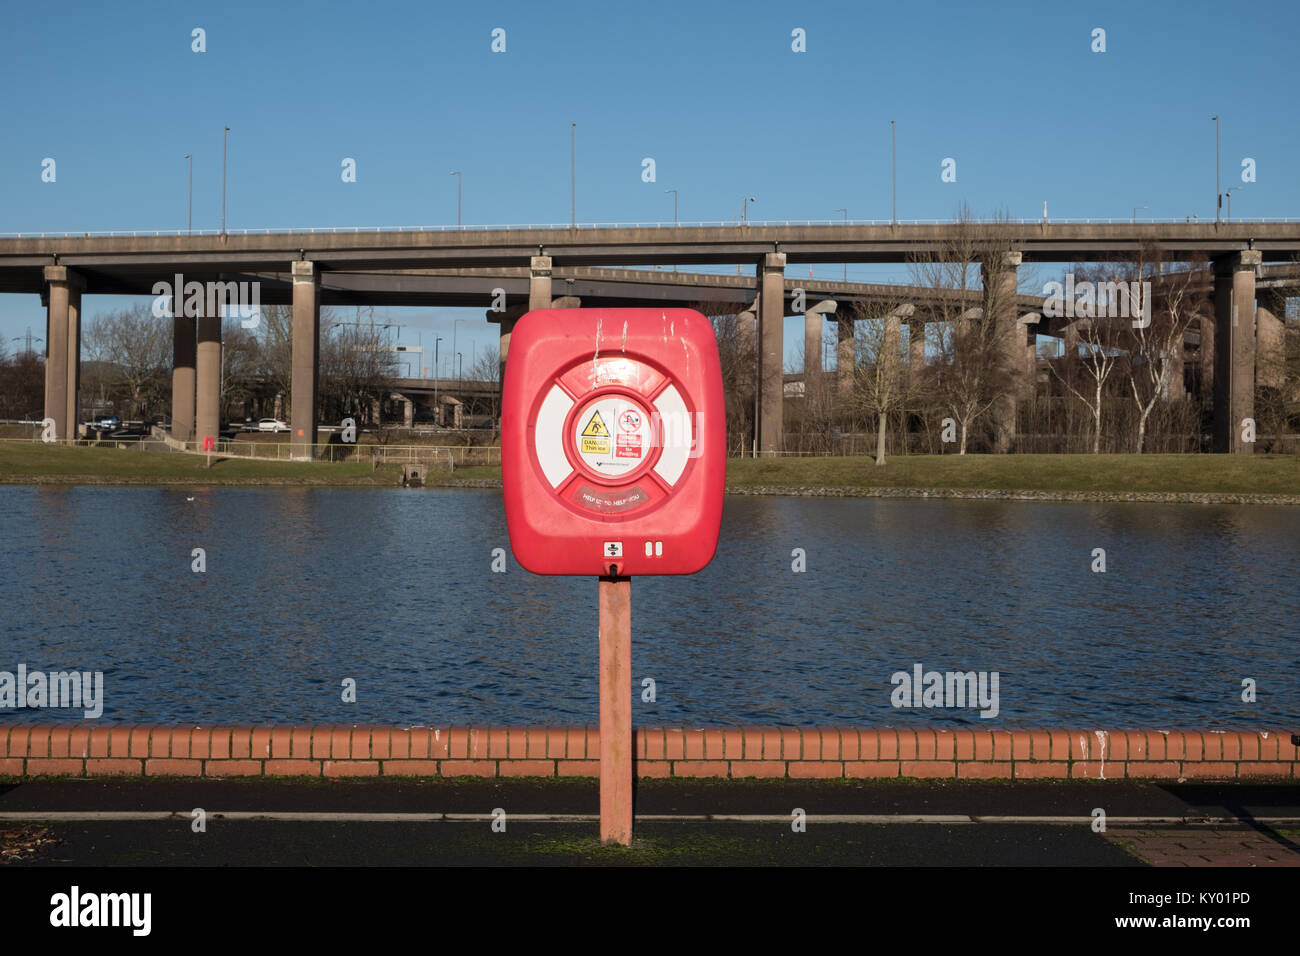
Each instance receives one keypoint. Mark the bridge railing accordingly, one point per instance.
(552, 226)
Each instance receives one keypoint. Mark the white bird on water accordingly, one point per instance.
(190, 498)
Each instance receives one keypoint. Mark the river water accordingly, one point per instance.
(305, 588)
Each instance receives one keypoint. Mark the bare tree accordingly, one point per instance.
(735, 332)
(881, 384)
(357, 369)
(274, 362)
(1277, 399)
(488, 369)
(1098, 331)
(818, 414)
(965, 284)
(136, 348)
(1156, 349)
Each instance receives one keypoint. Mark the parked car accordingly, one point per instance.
(110, 422)
(272, 425)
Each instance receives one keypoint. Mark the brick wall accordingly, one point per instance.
(343, 750)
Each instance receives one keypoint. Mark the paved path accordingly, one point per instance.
(439, 822)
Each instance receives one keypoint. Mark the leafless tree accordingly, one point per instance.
(735, 332)
(972, 369)
(487, 368)
(135, 347)
(1102, 337)
(881, 384)
(356, 369)
(1175, 303)
(274, 356)
(1277, 399)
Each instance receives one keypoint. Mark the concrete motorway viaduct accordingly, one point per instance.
(377, 266)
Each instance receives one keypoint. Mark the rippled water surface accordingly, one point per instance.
(307, 587)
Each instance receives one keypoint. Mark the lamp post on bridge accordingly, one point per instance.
(459, 182)
(455, 327)
(437, 409)
(190, 221)
(1135, 212)
(1218, 196)
(1228, 195)
(893, 169)
(224, 133)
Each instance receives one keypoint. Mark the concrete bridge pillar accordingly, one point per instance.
(1175, 389)
(747, 327)
(74, 359)
(1270, 338)
(539, 284)
(505, 321)
(771, 364)
(184, 353)
(62, 344)
(1000, 284)
(1206, 358)
(1027, 331)
(813, 321)
(1234, 349)
(845, 355)
(306, 361)
(915, 345)
(207, 376)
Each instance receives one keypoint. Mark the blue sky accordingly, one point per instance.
(411, 91)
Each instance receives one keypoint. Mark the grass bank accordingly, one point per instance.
(1160, 474)
(34, 463)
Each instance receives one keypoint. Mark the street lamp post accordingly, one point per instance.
(1228, 195)
(573, 176)
(1135, 212)
(437, 409)
(846, 222)
(744, 218)
(455, 327)
(224, 132)
(1218, 196)
(893, 169)
(459, 181)
(190, 227)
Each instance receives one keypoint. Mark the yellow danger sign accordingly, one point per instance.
(596, 427)
(595, 446)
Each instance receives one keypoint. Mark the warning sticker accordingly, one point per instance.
(610, 455)
(596, 428)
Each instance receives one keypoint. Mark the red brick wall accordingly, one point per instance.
(342, 750)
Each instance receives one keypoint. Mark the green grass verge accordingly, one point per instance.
(34, 463)
(22, 462)
(1207, 474)
(1225, 474)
